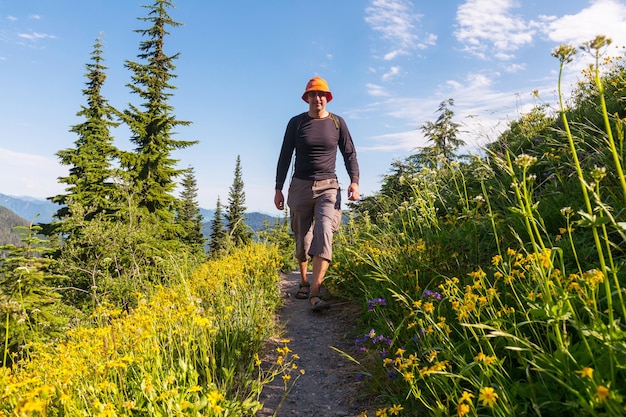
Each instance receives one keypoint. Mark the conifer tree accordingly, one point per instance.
(443, 134)
(237, 227)
(32, 310)
(150, 166)
(89, 182)
(219, 238)
(188, 214)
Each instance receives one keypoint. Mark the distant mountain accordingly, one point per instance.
(29, 208)
(256, 221)
(8, 221)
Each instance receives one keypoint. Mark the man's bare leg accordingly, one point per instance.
(320, 266)
(304, 286)
(304, 270)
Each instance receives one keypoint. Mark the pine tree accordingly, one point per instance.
(32, 310)
(188, 215)
(151, 167)
(89, 182)
(237, 228)
(443, 134)
(219, 238)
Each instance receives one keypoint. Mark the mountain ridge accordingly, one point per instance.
(35, 210)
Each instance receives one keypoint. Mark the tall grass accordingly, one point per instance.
(482, 297)
(190, 349)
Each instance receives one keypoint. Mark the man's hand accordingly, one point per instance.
(279, 200)
(353, 192)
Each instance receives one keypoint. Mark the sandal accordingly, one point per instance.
(303, 292)
(320, 304)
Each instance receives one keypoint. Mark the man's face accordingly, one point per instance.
(317, 99)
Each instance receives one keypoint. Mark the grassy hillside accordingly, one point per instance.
(8, 220)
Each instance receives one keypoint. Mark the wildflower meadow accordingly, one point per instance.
(495, 287)
(193, 347)
(490, 285)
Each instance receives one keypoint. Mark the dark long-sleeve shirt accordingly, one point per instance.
(315, 142)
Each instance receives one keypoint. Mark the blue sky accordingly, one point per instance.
(244, 64)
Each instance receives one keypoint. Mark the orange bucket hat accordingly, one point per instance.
(317, 84)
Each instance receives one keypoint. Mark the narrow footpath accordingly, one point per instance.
(329, 387)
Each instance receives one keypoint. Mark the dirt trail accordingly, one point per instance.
(329, 386)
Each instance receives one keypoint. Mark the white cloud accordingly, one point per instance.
(395, 21)
(488, 28)
(513, 68)
(376, 90)
(401, 141)
(12, 18)
(17, 178)
(35, 36)
(482, 111)
(392, 73)
(431, 40)
(602, 17)
(393, 54)
(34, 17)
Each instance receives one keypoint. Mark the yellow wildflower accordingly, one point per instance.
(462, 409)
(466, 397)
(586, 372)
(395, 410)
(488, 396)
(215, 396)
(593, 277)
(490, 359)
(602, 393)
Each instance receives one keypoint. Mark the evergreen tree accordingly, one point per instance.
(188, 215)
(219, 238)
(151, 167)
(89, 182)
(443, 134)
(237, 228)
(30, 304)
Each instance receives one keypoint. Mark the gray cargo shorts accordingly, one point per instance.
(315, 208)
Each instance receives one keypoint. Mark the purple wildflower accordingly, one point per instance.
(431, 294)
(371, 304)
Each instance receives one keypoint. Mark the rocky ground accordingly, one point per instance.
(329, 386)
